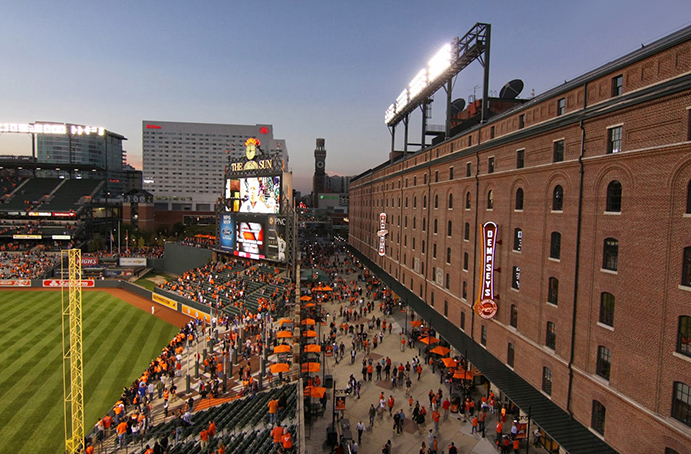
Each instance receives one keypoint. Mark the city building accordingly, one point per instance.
(319, 178)
(589, 269)
(184, 163)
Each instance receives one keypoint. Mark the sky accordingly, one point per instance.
(310, 68)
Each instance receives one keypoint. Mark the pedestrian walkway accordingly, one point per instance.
(453, 429)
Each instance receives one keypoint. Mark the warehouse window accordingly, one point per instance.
(519, 199)
(520, 159)
(681, 403)
(468, 169)
(613, 197)
(424, 201)
(490, 165)
(435, 226)
(561, 106)
(467, 200)
(607, 309)
(490, 200)
(547, 380)
(517, 239)
(551, 335)
(514, 316)
(604, 362)
(465, 261)
(446, 308)
(462, 320)
(483, 335)
(558, 199)
(553, 291)
(558, 151)
(449, 228)
(617, 85)
(509, 355)
(597, 419)
(686, 268)
(555, 246)
(610, 254)
(436, 176)
(450, 201)
(448, 255)
(688, 192)
(516, 278)
(521, 121)
(684, 336)
(614, 140)
(465, 290)
(451, 171)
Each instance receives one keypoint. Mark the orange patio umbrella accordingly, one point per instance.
(305, 298)
(449, 362)
(463, 375)
(311, 367)
(280, 367)
(315, 391)
(313, 348)
(428, 340)
(282, 349)
(308, 321)
(283, 321)
(415, 323)
(284, 334)
(439, 350)
(310, 305)
(327, 289)
(309, 333)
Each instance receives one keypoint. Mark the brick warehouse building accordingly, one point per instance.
(590, 187)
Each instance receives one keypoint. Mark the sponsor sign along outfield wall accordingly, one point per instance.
(66, 283)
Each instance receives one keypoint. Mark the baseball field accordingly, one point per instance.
(119, 341)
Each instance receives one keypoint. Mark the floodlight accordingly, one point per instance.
(418, 84)
(402, 100)
(439, 63)
(390, 112)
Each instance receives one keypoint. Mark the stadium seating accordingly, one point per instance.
(70, 192)
(30, 192)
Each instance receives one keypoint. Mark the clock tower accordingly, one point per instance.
(318, 182)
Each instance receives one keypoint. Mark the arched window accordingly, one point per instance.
(551, 335)
(597, 418)
(490, 200)
(681, 403)
(435, 226)
(613, 197)
(510, 355)
(448, 255)
(424, 201)
(555, 246)
(519, 199)
(450, 201)
(449, 228)
(558, 199)
(610, 254)
(406, 202)
(465, 261)
(517, 239)
(466, 232)
(514, 316)
(607, 310)
(436, 201)
(415, 202)
(467, 200)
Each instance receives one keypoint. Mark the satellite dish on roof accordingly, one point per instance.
(457, 106)
(512, 89)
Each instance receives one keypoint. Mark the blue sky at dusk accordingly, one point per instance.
(311, 68)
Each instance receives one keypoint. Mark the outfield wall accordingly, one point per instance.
(179, 258)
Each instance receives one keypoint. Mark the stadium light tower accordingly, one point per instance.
(72, 359)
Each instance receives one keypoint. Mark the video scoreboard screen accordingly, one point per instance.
(253, 236)
(253, 195)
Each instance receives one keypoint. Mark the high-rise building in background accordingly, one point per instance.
(318, 181)
(85, 145)
(184, 163)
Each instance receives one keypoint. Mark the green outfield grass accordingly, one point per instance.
(119, 341)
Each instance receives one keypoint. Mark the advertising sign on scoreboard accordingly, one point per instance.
(132, 261)
(227, 235)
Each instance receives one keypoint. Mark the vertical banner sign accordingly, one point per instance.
(485, 306)
(381, 233)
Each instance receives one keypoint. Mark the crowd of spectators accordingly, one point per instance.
(219, 284)
(201, 241)
(8, 183)
(30, 265)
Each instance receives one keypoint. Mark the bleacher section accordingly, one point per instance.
(242, 425)
(69, 193)
(8, 183)
(29, 193)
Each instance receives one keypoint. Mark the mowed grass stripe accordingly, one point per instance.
(57, 428)
(35, 399)
(17, 309)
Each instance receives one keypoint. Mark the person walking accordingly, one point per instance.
(360, 430)
(372, 414)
